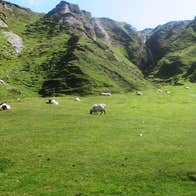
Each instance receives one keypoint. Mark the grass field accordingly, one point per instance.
(63, 150)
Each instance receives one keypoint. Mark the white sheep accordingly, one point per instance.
(77, 99)
(187, 87)
(98, 108)
(106, 94)
(5, 106)
(52, 101)
(2, 82)
(139, 93)
(168, 92)
(159, 90)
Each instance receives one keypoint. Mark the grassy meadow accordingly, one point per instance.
(63, 150)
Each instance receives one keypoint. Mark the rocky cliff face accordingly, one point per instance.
(3, 24)
(68, 14)
(107, 30)
(15, 41)
(112, 33)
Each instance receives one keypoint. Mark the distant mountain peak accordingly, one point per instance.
(65, 8)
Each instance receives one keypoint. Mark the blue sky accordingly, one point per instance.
(139, 13)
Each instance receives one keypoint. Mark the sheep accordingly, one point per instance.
(4, 106)
(139, 93)
(98, 108)
(159, 90)
(187, 87)
(168, 92)
(106, 94)
(2, 82)
(52, 101)
(77, 99)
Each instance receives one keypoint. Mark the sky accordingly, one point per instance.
(140, 14)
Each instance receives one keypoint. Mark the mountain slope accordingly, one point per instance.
(172, 48)
(66, 52)
(15, 19)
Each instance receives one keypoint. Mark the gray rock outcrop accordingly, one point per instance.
(3, 24)
(15, 40)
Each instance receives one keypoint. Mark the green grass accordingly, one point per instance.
(63, 150)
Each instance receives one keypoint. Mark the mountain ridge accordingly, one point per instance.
(67, 51)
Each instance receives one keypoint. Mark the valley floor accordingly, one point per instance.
(144, 145)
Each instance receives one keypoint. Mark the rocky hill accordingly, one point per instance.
(67, 51)
(172, 52)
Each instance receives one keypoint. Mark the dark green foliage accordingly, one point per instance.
(191, 73)
(192, 176)
(44, 28)
(64, 77)
(171, 67)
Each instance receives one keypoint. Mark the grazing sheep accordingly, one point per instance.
(187, 87)
(168, 92)
(98, 108)
(2, 82)
(106, 94)
(52, 101)
(77, 99)
(139, 93)
(159, 90)
(4, 106)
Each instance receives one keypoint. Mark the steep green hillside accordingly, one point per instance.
(79, 64)
(17, 17)
(63, 53)
(11, 63)
(124, 38)
(173, 55)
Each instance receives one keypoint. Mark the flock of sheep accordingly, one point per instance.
(96, 108)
